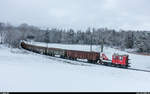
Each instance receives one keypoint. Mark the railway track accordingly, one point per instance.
(139, 70)
(135, 69)
(84, 63)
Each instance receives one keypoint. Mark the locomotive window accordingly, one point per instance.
(120, 58)
(114, 57)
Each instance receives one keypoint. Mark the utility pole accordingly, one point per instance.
(47, 39)
(1, 36)
(1, 32)
(102, 45)
(91, 41)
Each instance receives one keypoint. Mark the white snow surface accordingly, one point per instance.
(25, 71)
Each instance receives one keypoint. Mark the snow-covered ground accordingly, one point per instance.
(26, 71)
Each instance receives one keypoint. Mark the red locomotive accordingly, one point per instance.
(92, 57)
(117, 60)
(120, 59)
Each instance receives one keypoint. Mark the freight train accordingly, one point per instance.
(91, 57)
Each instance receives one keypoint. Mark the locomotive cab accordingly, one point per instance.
(120, 60)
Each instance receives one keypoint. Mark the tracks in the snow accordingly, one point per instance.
(139, 70)
(134, 69)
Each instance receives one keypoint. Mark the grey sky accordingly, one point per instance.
(78, 14)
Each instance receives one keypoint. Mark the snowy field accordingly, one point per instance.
(26, 71)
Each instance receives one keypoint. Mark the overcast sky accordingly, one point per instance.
(78, 14)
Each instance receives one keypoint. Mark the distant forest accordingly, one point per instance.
(139, 40)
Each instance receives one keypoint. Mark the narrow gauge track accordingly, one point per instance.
(139, 70)
(84, 63)
(134, 69)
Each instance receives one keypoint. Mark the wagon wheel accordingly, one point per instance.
(89, 61)
(99, 61)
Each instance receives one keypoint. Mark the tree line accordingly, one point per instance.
(124, 39)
